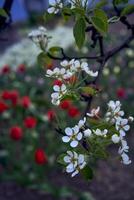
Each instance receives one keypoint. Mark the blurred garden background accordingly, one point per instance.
(29, 144)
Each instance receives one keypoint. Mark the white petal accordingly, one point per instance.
(51, 10)
(126, 128)
(63, 87)
(79, 136)
(82, 165)
(74, 143)
(70, 166)
(64, 63)
(75, 173)
(56, 88)
(115, 138)
(122, 132)
(68, 131)
(87, 133)
(124, 121)
(76, 129)
(69, 170)
(80, 159)
(70, 153)
(65, 139)
(67, 159)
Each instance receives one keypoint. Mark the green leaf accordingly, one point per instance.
(101, 4)
(79, 32)
(87, 173)
(88, 90)
(3, 12)
(79, 11)
(43, 59)
(103, 25)
(55, 50)
(71, 96)
(99, 24)
(129, 9)
(60, 159)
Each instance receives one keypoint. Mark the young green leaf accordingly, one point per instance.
(129, 9)
(101, 3)
(79, 32)
(100, 21)
(43, 59)
(100, 25)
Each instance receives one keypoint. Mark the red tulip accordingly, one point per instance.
(3, 107)
(25, 102)
(16, 133)
(40, 157)
(30, 122)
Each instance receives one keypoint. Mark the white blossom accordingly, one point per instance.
(87, 132)
(39, 37)
(94, 112)
(73, 135)
(59, 91)
(125, 159)
(114, 111)
(81, 123)
(75, 162)
(99, 132)
(54, 6)
(122, 126)
(123, 150)
(131, 119)
(115, 138)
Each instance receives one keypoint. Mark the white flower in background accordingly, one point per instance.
(76, 162)
(124, 146)
(131, 119)
(54, 6)
(87, 132)
(59, 91)
(39, 37)
(122, 126)
(81, 123)
(56, 72)
(125, 159)
(123, 152)
(115, 138)
(114, 111)
(94, 112)
(99, 132)
(73, 135)
(84, 67)
(26, 52)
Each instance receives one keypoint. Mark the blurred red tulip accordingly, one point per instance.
(30, 122)
(40, 157)
(16, 133)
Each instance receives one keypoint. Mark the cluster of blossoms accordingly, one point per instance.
(67, 71)
(75, 162)
(40, 37)
(56, 5)
(76, 134)
(115, 116)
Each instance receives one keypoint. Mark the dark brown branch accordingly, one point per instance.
(114, 51)
(64, 56)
